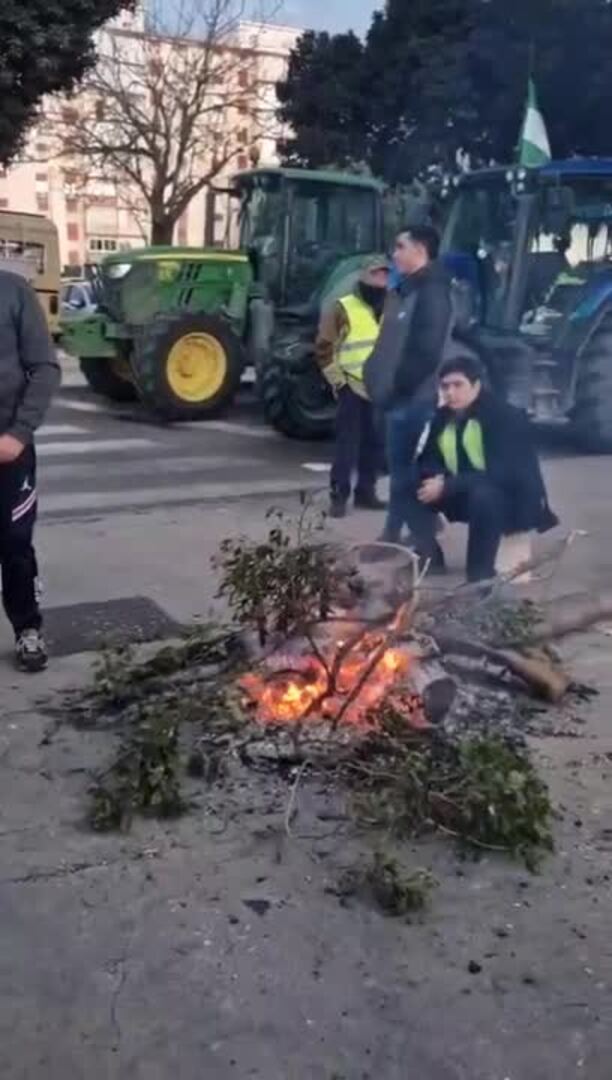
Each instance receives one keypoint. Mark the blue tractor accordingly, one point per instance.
(532, 252)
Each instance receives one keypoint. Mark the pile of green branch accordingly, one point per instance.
(180, 713)
(483, 792)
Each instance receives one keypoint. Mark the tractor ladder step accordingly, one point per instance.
(545, 395)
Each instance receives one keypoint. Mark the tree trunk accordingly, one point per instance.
(162, 230)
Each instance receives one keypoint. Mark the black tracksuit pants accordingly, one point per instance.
(482, 507)
(17, 557)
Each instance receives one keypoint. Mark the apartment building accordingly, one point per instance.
(99, 214)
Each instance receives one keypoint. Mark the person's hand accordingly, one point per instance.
(432, 490)
(10, 449)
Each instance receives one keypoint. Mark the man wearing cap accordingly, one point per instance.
(347, 335)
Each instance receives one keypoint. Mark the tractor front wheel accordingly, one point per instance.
(297, 403)
(592, 413)
(108, 377)
(187, 367)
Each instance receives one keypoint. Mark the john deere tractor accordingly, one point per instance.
(534, 250)
(176, 327)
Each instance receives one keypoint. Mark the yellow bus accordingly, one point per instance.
(29, 246)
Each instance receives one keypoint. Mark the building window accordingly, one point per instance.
(42, 202)
(70, 115)
(4, 204)
(243, 162)
(73, 258)
(72, 231)
(72, 206)
(102, 244)
(41, 178)
(243, 79)
(42, 149)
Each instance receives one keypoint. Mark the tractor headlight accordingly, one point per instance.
(118, 270)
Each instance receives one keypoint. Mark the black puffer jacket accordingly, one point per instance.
(424, 346)
(511, 463)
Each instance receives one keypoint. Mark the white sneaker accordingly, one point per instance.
(30, 651)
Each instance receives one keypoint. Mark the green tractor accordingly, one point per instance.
(176, 327)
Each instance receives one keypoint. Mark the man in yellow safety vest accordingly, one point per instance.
(347, 335)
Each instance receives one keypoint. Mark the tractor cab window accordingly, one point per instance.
(478, 244)
(328, 222)
(565, 254)
(262, 226)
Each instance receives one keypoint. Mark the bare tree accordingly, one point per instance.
(167, 109)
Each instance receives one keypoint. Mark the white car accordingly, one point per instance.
(77, 298)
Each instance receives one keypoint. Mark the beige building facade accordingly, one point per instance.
(96, 216)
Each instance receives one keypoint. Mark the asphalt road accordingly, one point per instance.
(96, 458)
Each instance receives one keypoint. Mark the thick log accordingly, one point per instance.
(435, 686)
(537, 670)
(571, 614)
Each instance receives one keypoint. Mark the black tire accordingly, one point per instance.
(106, 379)
(296, 403)
(592, 414)
(154, 368)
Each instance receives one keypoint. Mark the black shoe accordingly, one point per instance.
(337, 508)
(436, 560)
(30, 651)
(368, 500)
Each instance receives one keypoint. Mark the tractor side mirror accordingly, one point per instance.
(559, 208)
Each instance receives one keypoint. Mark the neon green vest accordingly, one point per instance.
(361, 338)
(472, 444)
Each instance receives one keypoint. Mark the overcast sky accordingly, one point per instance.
(329, 14)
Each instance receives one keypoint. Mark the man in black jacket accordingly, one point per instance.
(479, 465)
(29, 374)
(423, 298)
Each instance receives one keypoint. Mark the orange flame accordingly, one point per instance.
(292, 696)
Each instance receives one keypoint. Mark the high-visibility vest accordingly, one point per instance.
(472, 444)
(361, 338)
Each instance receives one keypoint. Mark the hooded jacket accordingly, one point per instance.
(510, 463)
(29, 371)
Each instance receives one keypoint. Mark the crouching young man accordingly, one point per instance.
(478, 465)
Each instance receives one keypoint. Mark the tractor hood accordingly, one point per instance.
(135, 286)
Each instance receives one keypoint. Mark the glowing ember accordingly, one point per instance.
(296, 689)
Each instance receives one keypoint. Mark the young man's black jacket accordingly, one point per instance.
(511, 463)
(423, 351)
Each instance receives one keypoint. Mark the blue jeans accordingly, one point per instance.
(405, 424)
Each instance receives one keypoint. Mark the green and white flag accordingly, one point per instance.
(534, 148)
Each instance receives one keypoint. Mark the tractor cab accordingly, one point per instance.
(298, 226)
(534, 247)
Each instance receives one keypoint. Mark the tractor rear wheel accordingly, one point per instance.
(187, 367)
(592, 413)
(296, 403)
(109, 378)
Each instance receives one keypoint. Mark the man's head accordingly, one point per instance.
(460, 383)
(372, 284)
(415, 247)
(375, 273)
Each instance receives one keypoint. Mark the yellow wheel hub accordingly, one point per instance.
(196, 367)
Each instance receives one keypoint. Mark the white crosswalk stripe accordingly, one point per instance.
(60, 429)
(81, 406)
(90, 446)
(101, 465)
